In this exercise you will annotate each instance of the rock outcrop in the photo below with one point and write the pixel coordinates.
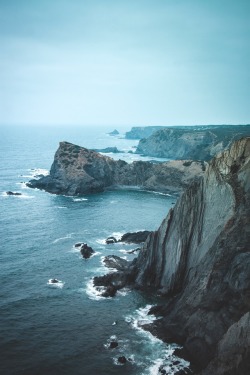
(195, 143)
(139, 132)
(199, 259)
(77, 170)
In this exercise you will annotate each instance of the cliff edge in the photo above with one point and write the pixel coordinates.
(200, 261)
(196, 143)
(77, 170)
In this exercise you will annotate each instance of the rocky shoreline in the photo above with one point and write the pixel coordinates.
(190, 142)
(199, 260)
(77, 170)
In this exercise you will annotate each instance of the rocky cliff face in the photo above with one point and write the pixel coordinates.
(196, 143)
(200, 260)
(77, 170)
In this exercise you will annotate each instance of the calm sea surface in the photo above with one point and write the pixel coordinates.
(66, 328)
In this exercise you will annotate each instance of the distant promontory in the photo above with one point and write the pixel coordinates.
(77, 170)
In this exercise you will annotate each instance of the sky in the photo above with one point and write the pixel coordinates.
(124, 62)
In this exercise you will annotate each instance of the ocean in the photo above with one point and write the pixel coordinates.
(66, 328)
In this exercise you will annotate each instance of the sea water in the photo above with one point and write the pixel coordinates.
(66, 328)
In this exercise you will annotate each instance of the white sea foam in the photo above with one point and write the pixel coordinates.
(36, 173)
(93, 292)
(22, 185)
(101, 241)
(59, 284)
(79, 199)
(161, 356)
(63, 238)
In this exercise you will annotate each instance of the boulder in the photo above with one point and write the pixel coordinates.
(122, 360)
(113, 344)
(110, 240)
(86, 251)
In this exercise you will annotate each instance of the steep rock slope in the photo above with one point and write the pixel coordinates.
(200, 260)
(77, 170)
(196, 143)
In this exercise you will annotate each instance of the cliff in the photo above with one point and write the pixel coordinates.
(196, 143)
(199, 259)
(77, 170)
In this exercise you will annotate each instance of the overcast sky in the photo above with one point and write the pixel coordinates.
(124, 62)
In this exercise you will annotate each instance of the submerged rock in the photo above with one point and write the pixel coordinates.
(12, 193)
(54, 281)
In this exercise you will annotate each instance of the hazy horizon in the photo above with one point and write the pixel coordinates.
(124, 64)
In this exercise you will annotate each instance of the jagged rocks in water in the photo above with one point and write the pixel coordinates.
(122, 360)
(86, 251)
(113, 261)
(12, 193)
(110, 240)
(113, 344)
(54, 281)
(110, 291)
(136, 237)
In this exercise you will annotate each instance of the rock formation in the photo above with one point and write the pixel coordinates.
(195, 143)
(77, 170)
(200, 261)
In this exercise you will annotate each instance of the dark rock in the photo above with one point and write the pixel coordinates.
(113, 261)
(113, 344)
(79, 244)
(86, 251)
(111, 240)
(136, 237)
(122, 360)
(12, 193)
(110, 291)
(54, 281)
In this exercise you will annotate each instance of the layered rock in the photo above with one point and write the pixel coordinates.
(196, 143)
(77, 170)
(200, 260)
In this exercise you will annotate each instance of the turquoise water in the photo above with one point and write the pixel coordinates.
(65, 328)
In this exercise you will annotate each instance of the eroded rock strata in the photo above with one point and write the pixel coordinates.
(77, 170)
(196, 142)
(199, 259)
